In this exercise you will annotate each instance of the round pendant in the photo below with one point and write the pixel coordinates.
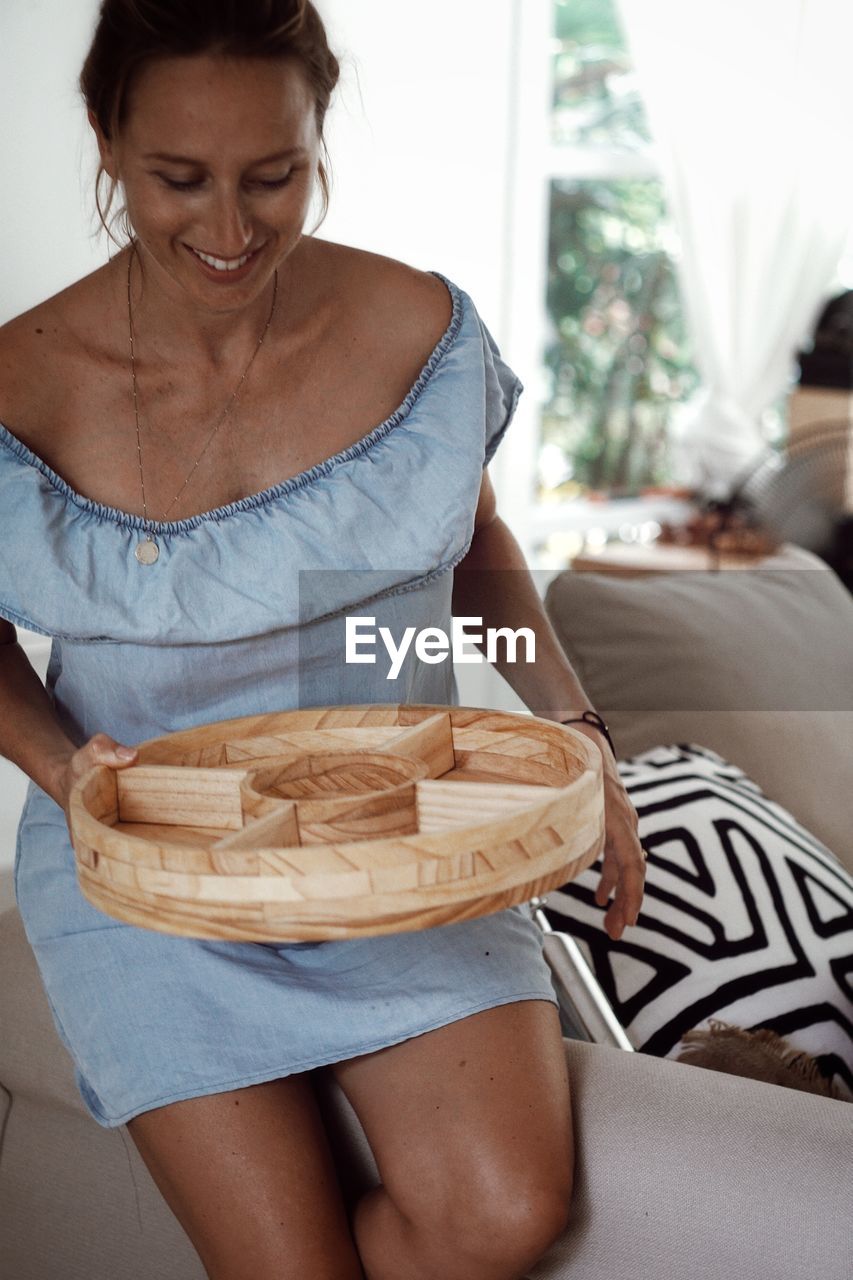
(147, 552)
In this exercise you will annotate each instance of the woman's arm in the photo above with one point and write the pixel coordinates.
(31, 735)
(494, 583)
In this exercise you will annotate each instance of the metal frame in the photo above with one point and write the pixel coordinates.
(585, 1011)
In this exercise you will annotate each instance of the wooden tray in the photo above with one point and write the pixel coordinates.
(338, 822)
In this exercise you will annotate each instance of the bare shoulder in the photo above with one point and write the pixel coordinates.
(408, 308)
(57, 315)
(25, 346)
(35, 349)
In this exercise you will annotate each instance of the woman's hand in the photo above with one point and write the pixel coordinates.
(624, 859)
(100, 749)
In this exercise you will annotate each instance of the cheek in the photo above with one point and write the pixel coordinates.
(289, 205)
(302, 190)
(154, 208)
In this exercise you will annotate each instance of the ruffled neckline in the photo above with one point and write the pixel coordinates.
(284, 488)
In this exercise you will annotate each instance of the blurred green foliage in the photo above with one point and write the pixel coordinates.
(595, 94)
(618, 355)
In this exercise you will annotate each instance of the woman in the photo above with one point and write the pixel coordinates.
(188, 430)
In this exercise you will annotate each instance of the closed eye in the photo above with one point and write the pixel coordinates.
(179, 186)
(269, 184)
(274, 183)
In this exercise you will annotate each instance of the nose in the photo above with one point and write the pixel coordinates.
(228, 226)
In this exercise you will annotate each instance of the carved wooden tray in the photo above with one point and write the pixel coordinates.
(338, 822)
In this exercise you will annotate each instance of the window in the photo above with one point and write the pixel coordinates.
(612, 345)
(617, 354)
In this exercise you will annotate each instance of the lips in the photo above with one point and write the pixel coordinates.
(224, 269)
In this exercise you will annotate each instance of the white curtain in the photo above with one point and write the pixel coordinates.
(749, 104)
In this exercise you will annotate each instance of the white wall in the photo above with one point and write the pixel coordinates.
(418, 136)
(46, 161)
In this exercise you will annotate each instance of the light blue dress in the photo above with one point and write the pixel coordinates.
(242, 614)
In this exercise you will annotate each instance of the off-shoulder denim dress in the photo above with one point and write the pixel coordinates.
(240, 615)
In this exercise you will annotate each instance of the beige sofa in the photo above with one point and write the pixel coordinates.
(680, 1171)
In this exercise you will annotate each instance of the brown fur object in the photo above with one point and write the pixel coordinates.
(759, 1055)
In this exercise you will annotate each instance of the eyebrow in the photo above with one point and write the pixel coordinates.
(173, 159)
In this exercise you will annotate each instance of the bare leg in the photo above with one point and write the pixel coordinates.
(249, 1176)
(471, 1128)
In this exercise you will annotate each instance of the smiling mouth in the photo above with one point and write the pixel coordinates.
(224, 264)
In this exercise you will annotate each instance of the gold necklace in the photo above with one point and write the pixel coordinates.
(147, 551)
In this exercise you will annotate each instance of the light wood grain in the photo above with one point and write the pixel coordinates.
(338, 822)
(342, 918)
(178, 796)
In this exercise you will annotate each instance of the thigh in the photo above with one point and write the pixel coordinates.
(471, 1116)
(249, 1175)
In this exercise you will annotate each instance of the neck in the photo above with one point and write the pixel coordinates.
(177, 330)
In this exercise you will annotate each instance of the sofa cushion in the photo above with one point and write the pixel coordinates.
(756, 664)
(746, 917)
(77, 1202)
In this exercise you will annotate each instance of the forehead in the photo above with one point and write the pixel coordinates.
(211, 104)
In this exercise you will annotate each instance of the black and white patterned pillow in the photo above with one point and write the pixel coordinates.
(746, 916)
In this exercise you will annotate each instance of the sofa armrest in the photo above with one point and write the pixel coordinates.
(682, 1171)
(755, 664)
(679, 1170)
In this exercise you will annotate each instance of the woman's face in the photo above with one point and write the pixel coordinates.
(218, 157)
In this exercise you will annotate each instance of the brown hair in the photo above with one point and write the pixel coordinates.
(131, 33)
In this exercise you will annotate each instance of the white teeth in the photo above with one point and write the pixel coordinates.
(222, 264)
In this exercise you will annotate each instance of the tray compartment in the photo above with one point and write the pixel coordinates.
(338, 822)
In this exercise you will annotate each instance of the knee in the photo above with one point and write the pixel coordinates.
(519, 1228)
(496, 1227)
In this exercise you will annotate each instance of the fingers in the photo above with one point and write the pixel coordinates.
(625, 908)
(106, 750)
(607, 883)
(624, 870)
(623, 875)
(100, 749)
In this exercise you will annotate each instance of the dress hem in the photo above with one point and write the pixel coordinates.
(312, 1064)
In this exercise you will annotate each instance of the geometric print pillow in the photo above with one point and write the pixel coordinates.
(746, 917)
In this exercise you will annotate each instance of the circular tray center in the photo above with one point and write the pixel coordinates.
(340, 773)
